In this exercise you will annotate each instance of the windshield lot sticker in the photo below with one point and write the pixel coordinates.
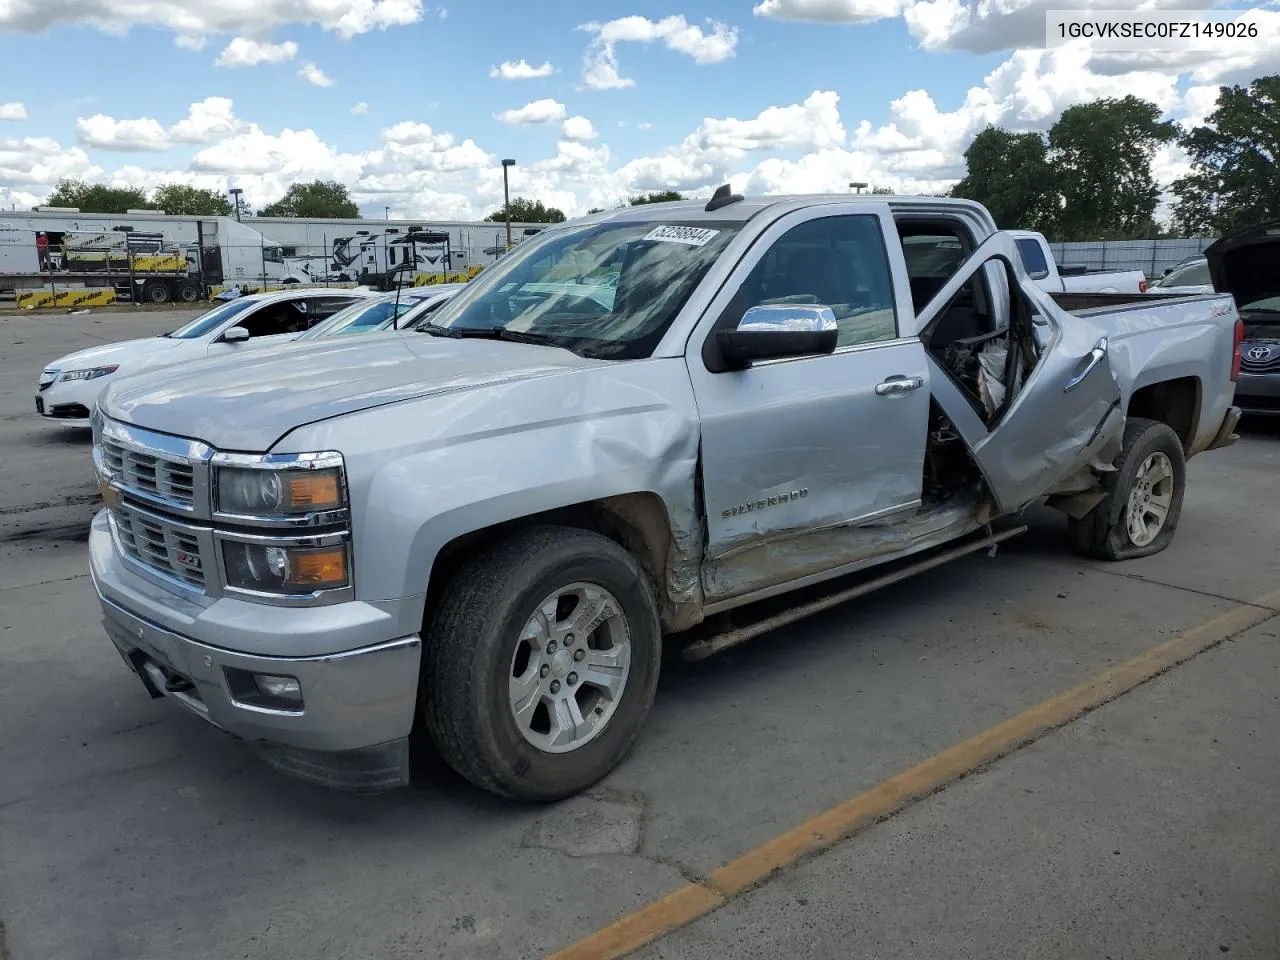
(692, 236)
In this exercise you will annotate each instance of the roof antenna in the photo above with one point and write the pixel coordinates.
(722, 198)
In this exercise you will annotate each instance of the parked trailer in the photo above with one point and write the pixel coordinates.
(137, 258)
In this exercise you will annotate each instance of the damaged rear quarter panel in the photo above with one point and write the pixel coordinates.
(1172, 338)
(448, 465)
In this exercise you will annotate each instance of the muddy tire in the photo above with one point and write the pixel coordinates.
(188, 293)
(154, 291)
(1144, 497)
(540, 663)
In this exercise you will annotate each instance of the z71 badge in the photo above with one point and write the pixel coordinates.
(765, 503)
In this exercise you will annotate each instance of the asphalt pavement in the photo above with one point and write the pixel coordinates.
(1145, 829)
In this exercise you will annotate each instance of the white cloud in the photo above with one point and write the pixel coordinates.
(521, 70)
(829, 11)
(108, 133)
(1211, 60)
(804, 146)
(600, 66)
(812, 124)
(1198, 103)
(534, 113)
(579, 129)
(33, 165)
(242, 52)
(360, 109)
(315, 76)
(14, 110)
(986, 26)
(207, 121)
(191, 21)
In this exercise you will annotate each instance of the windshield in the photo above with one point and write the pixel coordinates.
(361, 317)
(1191, 275)
(210, 320)
(604, 290)
(1267, 305)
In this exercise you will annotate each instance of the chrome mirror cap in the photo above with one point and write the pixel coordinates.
(787, 318)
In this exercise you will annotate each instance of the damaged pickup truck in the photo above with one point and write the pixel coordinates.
(481, 531)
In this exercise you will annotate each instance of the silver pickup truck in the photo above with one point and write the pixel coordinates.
(480, 532)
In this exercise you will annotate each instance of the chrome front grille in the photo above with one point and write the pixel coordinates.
(151, 475)
(163, 545)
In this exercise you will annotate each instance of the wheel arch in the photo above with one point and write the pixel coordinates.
(1174, 401)
(641, 522)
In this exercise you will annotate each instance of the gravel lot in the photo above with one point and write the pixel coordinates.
(1146, 829)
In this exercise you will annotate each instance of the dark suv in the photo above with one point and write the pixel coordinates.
(1246, 264)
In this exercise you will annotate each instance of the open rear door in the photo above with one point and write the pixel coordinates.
(1034, 406)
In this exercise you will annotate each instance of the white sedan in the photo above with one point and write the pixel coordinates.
(1189, 277)
(69, 387)
(401, 310)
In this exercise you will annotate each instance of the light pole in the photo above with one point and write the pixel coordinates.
(235, 198)
(387, 212)
(857, 185)
(506, 199)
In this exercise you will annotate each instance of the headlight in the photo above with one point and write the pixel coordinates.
(285, 570)
(260, 492)
(89, 373)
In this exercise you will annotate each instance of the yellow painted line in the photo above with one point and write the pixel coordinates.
(821, 833)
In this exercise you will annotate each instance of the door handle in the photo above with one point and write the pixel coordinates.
(1094, 358)
(898, 386)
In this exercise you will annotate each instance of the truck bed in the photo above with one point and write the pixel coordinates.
(1086, 303)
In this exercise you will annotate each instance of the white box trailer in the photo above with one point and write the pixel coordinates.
(18, 250)
(142, 257)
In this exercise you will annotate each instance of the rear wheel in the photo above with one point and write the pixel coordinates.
(156, 292)
(1143, 504)
(541, 662)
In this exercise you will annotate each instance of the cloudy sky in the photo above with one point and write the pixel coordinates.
(413, 103)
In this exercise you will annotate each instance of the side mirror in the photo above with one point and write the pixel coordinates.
(779, 330)
(235, 335)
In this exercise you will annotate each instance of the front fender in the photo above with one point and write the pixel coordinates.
(423, 473)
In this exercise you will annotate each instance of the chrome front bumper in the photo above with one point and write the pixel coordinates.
(351, 730)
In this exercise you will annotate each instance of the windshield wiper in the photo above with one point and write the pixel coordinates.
(435, 330)
(491, 333)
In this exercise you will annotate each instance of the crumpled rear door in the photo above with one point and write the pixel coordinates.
(1053, 419)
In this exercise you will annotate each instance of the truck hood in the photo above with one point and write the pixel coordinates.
(124, 351)
(1246, 263)
(247, 403)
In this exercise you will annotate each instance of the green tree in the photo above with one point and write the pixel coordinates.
(528, 211)
(1234, 159)
(882, 191)
(95, 197)
(318, 200)
(178, 199)
(1101, 155)
(1008, 173)
(665, 196)
(595, 210)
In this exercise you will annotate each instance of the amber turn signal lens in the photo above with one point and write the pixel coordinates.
(317, 568)
(316, 490)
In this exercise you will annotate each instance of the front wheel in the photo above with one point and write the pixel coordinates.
(540, 663)
(1143, 500)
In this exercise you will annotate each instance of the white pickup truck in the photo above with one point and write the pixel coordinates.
(1037, 259)
(483, 531)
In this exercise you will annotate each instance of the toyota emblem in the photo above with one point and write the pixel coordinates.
(1258, 354)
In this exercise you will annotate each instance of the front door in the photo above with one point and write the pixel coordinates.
(1060, 399)
(797, 452)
